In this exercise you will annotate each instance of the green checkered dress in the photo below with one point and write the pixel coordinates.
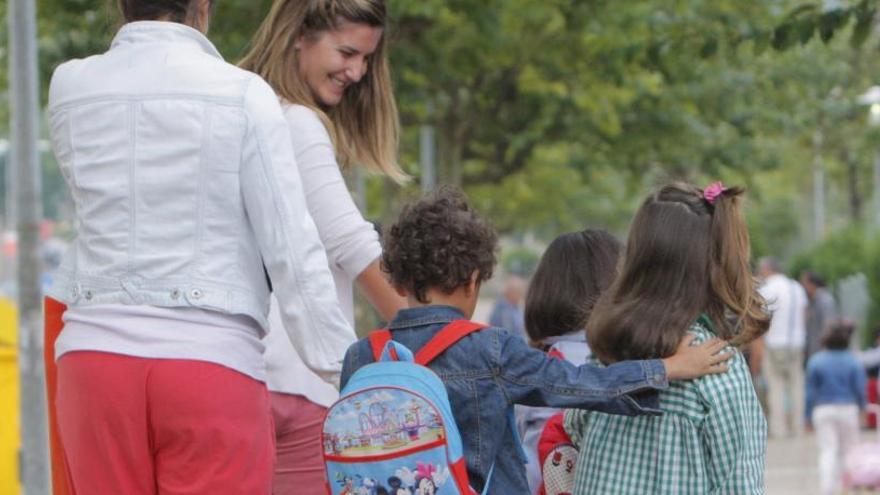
(711, 439)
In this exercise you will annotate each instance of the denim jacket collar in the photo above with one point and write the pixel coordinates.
(425, 315)
(164, 32)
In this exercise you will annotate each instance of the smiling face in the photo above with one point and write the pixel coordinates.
(331, 61)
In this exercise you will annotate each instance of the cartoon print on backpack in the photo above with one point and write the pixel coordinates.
(393, 422)
(558, 470)
(380, 422)
(397, 487)
(426, 479)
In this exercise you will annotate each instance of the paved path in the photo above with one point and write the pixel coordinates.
(792, 467)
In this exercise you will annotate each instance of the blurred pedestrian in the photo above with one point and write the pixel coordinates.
(821, 311)
(508, 312)
(783, 349)
(835, 395)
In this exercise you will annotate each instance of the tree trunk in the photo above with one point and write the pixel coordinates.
(852, 182)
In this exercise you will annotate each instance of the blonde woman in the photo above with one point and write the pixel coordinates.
(326, 60)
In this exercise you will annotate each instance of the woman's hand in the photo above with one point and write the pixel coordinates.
(695, 361)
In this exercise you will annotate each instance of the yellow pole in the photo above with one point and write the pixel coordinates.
(10, 427)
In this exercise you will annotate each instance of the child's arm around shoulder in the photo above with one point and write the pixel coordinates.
(530, 377)
(697, 356)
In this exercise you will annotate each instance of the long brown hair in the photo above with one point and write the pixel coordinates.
(364, 126)
(573, 272)
(684, 256)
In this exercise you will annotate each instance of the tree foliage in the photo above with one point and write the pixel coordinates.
(554, 114)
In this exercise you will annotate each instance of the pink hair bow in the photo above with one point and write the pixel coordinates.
(712, 191)
(425, 470)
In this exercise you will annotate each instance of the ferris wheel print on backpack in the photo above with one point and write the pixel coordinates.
(392, 430)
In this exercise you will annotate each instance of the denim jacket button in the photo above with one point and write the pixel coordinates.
(175, 294)
(89, 294)
(658, 378)
(196, 294)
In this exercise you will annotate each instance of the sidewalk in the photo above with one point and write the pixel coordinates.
(792, 466)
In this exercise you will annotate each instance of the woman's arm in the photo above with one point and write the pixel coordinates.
(378, 291)
(352, 243)
(275, 202)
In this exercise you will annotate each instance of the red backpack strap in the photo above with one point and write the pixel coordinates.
(445, 338)
(378, 340)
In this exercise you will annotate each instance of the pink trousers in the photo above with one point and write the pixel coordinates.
(140, 426)
(299, 469)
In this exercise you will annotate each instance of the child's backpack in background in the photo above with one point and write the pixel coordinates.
(550, 452)
(862, 463)
(392, 430)
(558, 458)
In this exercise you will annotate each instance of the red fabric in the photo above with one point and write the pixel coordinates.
(460, 475)
(556, 354)
(378, 339)
(299, 467)
(552, 436)
(53, 311)
(872, 399)
(163, 426)
(446, 338)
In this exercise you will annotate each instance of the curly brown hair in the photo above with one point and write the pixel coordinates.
(438, 242)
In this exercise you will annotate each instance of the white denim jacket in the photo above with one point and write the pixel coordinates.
(183, 177)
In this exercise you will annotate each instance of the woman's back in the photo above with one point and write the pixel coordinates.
(181, 171)
(710, 439)
(145, 134)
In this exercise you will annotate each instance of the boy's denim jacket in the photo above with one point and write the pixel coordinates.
(488, 371)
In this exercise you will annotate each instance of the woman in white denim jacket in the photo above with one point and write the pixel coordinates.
(187, 196)
(327, 61)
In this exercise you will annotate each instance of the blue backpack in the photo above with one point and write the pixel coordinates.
(392, 430)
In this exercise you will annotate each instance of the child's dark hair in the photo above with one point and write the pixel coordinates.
(813, 277)
(574, 271)
(685, 256)
(836, 338)
(438, 242)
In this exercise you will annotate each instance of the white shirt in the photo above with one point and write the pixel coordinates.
(351, 242)
(154, 332)
(184, 184)
(787, 303)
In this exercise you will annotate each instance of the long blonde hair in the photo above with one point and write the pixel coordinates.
(364, 125)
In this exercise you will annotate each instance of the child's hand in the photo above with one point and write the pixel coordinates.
(695, 361)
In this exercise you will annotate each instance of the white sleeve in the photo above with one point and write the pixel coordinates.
(288, 240)
(770, 294)
(350, 241)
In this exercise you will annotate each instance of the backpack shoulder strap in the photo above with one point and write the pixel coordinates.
(378, 340)
(446, 338)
